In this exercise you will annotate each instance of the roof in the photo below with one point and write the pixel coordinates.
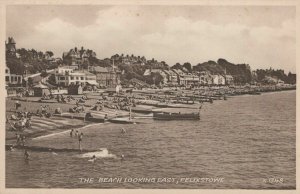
(228, 76)
(170, 72)
(100, 69)
(40, 85)
(147, 72)
(65, 54)
(87, 73)
(92, 82)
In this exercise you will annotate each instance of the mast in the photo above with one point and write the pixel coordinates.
(129, 113)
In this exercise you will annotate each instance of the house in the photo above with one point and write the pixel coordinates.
(180, 74)
(205, 78)
(280, 82)
(160, 71)
(270, 80)
(229, 80)
(191, 79)
(186, 79)
(115, 89)
(40, 90)
(77, 57)
(10, 46)
(12, 79)
(66, 77)
(106, 76)
(218, 80)
(171, 77)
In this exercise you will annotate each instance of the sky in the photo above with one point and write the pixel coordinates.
(261, 36)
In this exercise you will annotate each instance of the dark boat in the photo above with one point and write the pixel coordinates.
(175, 116)
(141, 110)
(254, 93)
(45, 149)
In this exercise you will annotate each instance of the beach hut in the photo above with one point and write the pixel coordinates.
(40, 90)
(75, 89)
(116, 89)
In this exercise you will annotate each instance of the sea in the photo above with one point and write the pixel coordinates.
(244, 142)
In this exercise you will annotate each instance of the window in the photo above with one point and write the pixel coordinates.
(6, 70)
(77, 78)
(82, 78)
(16, 78)
(7, 78)
(72, 78)
(62, 78)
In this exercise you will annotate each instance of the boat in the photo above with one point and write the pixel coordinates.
(254, 93)
(141, 110)
(45, 149)
(122, 120)
(175, 116)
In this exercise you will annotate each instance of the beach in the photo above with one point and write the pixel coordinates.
(232, 140)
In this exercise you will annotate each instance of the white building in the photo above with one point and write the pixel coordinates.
(218, 80)
(12, 78)
(65, 76)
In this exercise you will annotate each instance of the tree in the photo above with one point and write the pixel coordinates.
(52, 80)
(30, 81)
(15, 65)
(44, 74)
(188, 66)
(177, 66)
(50, 53)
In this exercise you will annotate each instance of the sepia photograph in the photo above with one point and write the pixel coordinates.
(150, 96)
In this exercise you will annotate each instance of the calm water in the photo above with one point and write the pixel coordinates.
(244, 140)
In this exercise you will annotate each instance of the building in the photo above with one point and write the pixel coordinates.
(205, 78)
(10, 46)
(12, 79)
(106, 76)
(186, 79)
(67, 76)
(172, 77)
(129, 59)
(40, 90)
(75, 89)
(77, 57)
(218, 80)
(229, 80)
(160, 71)
(189, 79)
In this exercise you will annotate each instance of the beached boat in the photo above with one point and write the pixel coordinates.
(175, 116)
(141, 110)
(122, 120)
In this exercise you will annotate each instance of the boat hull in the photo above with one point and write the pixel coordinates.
(176, 116)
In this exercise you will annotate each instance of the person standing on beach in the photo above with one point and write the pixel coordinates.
(18, 105)
(80, 140)
(26, 155)
(76, 133)
(123, 130)
(23, 140)
(18, 138)
(71, 133)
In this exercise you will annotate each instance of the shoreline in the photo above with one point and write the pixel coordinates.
(66, 131)
(56, 130)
